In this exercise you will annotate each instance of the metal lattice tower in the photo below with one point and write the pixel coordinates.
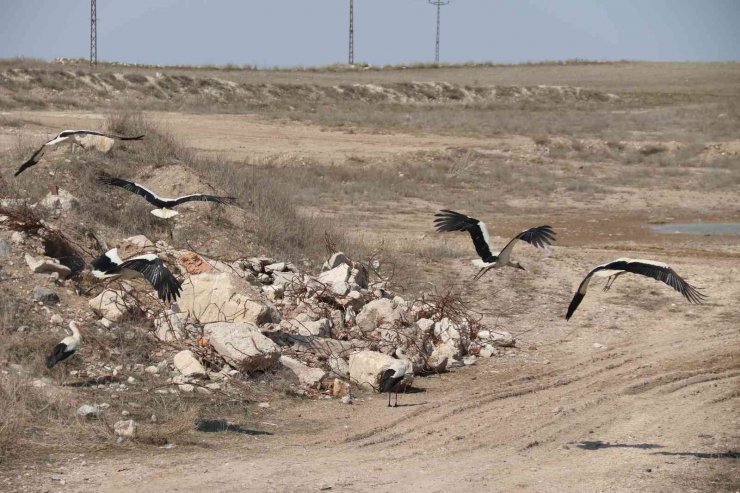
(93, 32)
(439, 4)
(351, 32)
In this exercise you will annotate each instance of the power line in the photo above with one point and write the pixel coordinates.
(439, 4)
(351, 32)
(93, 32)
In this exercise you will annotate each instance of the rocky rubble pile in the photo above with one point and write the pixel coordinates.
(257, 313)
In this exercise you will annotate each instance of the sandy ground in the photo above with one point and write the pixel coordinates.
(638, 392)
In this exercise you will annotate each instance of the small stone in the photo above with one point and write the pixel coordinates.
(131, 380)
(88, 411)
(4, 248)
(186, 387)
(125, 413)
(276, 267)
(152, 369)
(347, 399)
(105, 323)
(599, 346)
(264, 404)
(469, 360)
(213, 386)
(125, 429)
(18, 238)
(45, 296)
(187, 364)
(57, 319)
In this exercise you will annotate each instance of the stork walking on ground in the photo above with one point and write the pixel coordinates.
(68, 137)
(66, 347)
(446, 220)
(111, 266)
(164, 204)
(648, 268)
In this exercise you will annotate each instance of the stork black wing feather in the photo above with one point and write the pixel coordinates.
(159, 276)
(199, 197)
(669, 277)
(447, 220)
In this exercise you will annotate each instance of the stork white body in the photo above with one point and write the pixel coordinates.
(66, 346)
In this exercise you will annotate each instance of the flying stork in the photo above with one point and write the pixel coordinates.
(68, 137)
(391, 380)
(446, 220)
(66, 347)
(648, 268)
(111, 266)
(164, 204)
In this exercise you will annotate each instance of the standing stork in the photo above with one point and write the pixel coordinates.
(648, 268)
(539, 237)
(66, 347)
(164, 204)
(71, 137)
(392, 379)
(149, 266)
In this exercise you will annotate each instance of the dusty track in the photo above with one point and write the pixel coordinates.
(656, 409)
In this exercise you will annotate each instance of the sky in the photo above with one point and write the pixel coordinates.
(272, 33)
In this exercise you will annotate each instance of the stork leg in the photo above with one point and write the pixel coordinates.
(480, 273)
(396, 404)
(389, 399)
(611, 280)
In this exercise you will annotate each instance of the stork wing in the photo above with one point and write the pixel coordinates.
(581, 292)
(663, 273)
(34, 159)
(68, 133)
(199, 197)
(447, 220)
(538, 237)
(159, 276)
(132, 187)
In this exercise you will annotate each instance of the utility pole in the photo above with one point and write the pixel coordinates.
(93, 32)
(351, 32)
(439, 4)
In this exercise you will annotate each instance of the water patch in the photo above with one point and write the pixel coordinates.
(706, 229)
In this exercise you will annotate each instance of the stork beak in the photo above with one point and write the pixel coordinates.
(525, 270)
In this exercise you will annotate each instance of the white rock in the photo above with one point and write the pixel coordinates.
(113, 304)
(367, 367)
(337, 279)
(501, 338)
(139, 241)
(338, 365)
(63, 200)
(170, 325)
(288, 281)
(186, 387)
(347, 399)
(318, 328)
(243, 344)
(188, 365)
(125, 428)
(88, 411)
(311, 377)
(336, 260)
(380, 313)
(221, 297)
(488, 351)
(57, 319)
(213, 386)
(153, 370)
(47, 266)
(131, 380)
(18, 237)
(105, 323)
(276, 267)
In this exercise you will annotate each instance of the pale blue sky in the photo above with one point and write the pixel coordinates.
(301, 32)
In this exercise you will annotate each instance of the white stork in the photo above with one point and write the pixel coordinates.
(446, 220)
(164, 204)
(111, 266)
(648, 268)
(68, 137)
(66, 347)
(391, 380)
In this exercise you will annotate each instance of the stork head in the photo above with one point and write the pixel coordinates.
(75, 327)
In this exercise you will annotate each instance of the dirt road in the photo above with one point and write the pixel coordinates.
(639, 391)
